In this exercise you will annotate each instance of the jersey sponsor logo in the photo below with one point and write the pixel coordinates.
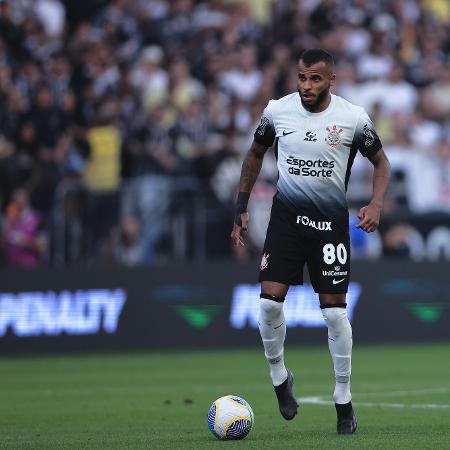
(264, 261)
(317, 225)
(310, 136)
(261, 130)
(285, 133)
(333, 138)
(338, 281)
(310, 168)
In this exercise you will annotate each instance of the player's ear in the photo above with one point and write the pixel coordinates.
(332, 79)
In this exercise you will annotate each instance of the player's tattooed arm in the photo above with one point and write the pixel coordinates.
(370, 215)
(249, 173)
(251, 166)
(381, 175)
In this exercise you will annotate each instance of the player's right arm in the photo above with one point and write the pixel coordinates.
(264, 137)
(249, 173)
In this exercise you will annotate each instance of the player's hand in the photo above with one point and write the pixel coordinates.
(236, 234)
(369, 217)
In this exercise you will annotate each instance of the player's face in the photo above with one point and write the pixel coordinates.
(313, 85)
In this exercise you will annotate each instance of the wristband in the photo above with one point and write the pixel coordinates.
(241, 206)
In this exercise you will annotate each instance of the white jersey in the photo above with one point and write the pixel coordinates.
(315, 152)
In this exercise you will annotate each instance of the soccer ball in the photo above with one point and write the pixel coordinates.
(230, 417)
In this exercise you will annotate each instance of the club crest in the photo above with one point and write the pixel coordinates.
(264, 261)
(333, 138)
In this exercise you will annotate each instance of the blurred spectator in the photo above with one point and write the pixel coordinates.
(10, 32)
(47, 118)
(148, 76)
(150, 160)
(184, 88)
(24, 242)
(127, 246)
(436, 96)
(102, 174)
(195, 143)
(51, 13)
(243, 79)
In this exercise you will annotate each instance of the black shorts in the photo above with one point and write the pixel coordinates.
(293, 240)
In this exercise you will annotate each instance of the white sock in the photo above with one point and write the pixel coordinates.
(340, 345)
(272, 328)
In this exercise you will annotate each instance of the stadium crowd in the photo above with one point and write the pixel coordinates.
(122, 130)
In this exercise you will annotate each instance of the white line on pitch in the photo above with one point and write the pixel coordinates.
(322, 401)
(439, 390)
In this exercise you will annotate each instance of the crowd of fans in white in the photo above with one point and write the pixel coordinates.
(178, 88)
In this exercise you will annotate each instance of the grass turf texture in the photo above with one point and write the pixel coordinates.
(160, 400)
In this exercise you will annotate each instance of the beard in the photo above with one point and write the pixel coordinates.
(319, 99)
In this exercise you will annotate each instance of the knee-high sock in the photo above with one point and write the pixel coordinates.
(272, 328)
(340, 345)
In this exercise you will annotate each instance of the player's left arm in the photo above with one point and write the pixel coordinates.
(369, 215)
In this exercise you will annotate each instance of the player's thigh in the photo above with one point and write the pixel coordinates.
(274, 289)
(284, 252)
(329, 267)
(327, 300)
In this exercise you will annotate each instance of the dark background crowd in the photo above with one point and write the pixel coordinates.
(123, 123)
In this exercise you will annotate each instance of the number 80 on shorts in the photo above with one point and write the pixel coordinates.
(331, 253)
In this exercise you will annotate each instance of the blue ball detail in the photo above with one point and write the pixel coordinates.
(211, 419)
(239, 400)
(239, 429)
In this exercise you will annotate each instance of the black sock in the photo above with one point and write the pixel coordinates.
(344, 410)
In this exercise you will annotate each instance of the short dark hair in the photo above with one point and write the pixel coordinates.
(316, 55)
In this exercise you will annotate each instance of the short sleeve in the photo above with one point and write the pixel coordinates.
(366, 138)
(265, 132)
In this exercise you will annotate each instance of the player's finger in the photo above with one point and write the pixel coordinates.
(370, 227)
(367, 221)
(244, 221)
(363, 226)
(362, 213)
(235, 237)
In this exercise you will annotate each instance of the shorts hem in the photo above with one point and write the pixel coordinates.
(287, 282)
(336, 292)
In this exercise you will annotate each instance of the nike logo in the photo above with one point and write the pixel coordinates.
(274, 360)
(338, 281)
(285, 133)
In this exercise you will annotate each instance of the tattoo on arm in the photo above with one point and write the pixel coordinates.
(251, 166)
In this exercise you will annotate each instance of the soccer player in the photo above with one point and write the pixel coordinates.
(317, 135)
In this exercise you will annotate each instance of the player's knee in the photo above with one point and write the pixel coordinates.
(335, 316)
(269, 310)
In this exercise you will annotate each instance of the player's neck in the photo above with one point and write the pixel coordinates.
(319, 107)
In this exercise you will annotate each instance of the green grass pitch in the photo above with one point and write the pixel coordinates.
(160, 400)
